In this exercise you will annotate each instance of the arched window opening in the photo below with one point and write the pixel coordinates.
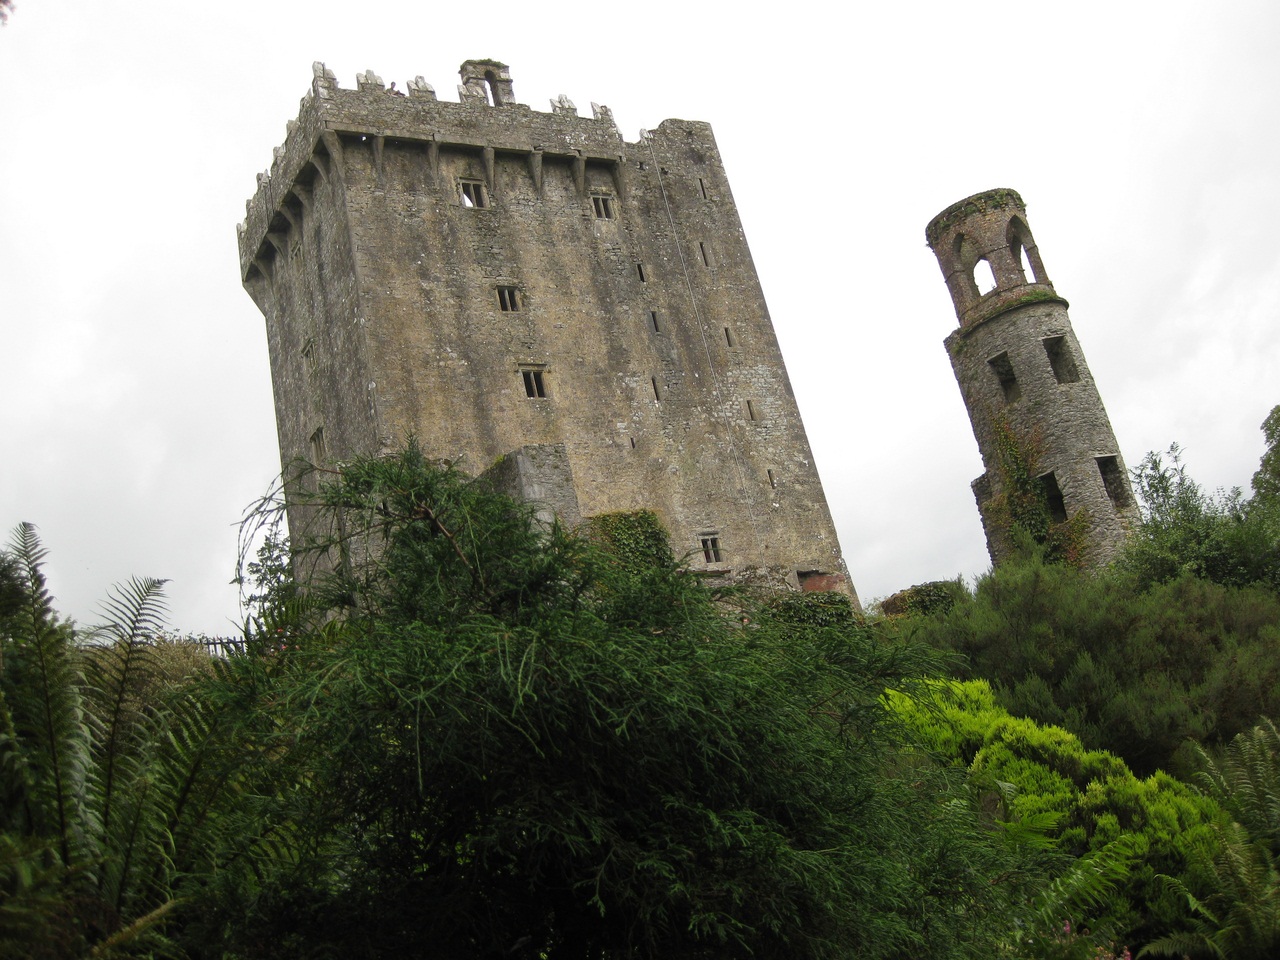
(984, 277)
(1019, 239)
(490, 86)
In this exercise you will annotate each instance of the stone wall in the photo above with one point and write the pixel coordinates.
(1023, 374)
(483, 277)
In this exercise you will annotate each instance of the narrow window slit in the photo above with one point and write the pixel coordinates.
(640, 272)
(657, 394)
(603, 206)
(703, 248)
(533, 384)
(653, 321)
(473, 193)
(728, 336)
(509, 299)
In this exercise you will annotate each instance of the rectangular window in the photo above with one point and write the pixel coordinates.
(710, 547)
(473, 193)
(603, 206)
(1003, 370)
(1054, 499)
(1060, 359)
(1113, 480)
(533, 384)
(317, 446)
(653, 321)
(509, 299)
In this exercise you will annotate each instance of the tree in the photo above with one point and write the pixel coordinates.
(499, 739)
(1220, 536)
(1266, 482)
(1186, 530)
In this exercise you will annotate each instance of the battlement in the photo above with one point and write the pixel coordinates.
(485, 118)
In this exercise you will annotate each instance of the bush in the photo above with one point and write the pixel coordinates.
(1136, 673)
(1089, 799)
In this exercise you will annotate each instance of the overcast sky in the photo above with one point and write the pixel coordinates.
(136, 417)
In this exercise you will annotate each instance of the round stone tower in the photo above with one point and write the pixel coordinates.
(1045, 439)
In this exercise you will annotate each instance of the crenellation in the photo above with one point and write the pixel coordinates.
(420, 88)
(323, 80)
(369, 81)
(563, 106)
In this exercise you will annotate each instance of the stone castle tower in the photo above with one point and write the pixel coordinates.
(1028, 391)
(528, 289)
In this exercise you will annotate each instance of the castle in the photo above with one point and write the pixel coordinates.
(1034, 406)
(527, 294)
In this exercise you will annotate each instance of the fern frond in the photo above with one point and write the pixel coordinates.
(1182, 945)
(1246, 782)
(1088, 882)
(41, 684)
(135, 614)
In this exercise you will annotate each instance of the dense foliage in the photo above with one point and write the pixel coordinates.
(1219, 536)
(1235, 899)
(1087, 800)
(1134, 672)
(492, 739)
(111, 795)
(481, 738)
(475, 736)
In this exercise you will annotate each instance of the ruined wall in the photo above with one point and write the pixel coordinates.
(485, 277)
(1024, 378)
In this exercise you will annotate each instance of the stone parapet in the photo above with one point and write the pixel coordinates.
(329, 113)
